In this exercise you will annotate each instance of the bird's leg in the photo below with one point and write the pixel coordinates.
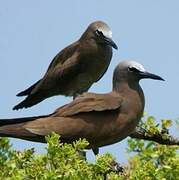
(82, 154)
(95, 151)
(75, 95)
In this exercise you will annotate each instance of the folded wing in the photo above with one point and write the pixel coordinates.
(90, 102)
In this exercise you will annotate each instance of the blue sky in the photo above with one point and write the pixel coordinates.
(33, 32)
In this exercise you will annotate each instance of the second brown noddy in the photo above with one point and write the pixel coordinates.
(102, 119)
(75, 68)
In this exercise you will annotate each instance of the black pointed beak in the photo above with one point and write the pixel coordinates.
(110, 42)
(150, 76)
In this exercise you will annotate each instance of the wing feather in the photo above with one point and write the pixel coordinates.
(90, 102)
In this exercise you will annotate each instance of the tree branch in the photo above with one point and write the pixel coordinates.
(159, 138)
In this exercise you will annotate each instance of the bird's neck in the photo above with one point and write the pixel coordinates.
(120, 86)
(129, 89)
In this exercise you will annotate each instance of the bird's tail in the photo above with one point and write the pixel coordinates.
(15, 128)
(28, 91)
(29, 101)
(19, 120)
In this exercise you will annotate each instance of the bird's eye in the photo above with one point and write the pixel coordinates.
(99, 33)
(133, 69)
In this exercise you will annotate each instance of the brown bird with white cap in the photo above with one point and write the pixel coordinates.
(102, 119)
(75, 68)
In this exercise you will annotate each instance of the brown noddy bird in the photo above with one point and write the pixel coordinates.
(102, 119)
(75, 68)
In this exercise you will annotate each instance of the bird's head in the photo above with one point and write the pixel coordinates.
(132, 71)
(101, 33)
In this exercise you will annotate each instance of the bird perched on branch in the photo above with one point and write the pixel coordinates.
(75, 68)
(102, 119)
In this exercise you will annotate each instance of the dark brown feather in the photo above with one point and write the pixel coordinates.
(102, 119)
(73, 70)
(90, 102)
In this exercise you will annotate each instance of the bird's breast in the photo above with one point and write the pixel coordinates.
(97, 63)
(93, 65)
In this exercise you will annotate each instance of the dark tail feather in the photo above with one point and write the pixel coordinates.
(15, 128)
(19, 120)
(29, 101)
(28, 90)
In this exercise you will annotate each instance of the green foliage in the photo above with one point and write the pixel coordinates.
(152, 161)
(62, 161)
(152, 128)
(148, 160)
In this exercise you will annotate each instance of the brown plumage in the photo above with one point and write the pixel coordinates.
(75, 68)
(102, 119)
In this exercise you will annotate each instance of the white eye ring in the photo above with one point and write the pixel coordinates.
(99, 33)
(132, 69)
